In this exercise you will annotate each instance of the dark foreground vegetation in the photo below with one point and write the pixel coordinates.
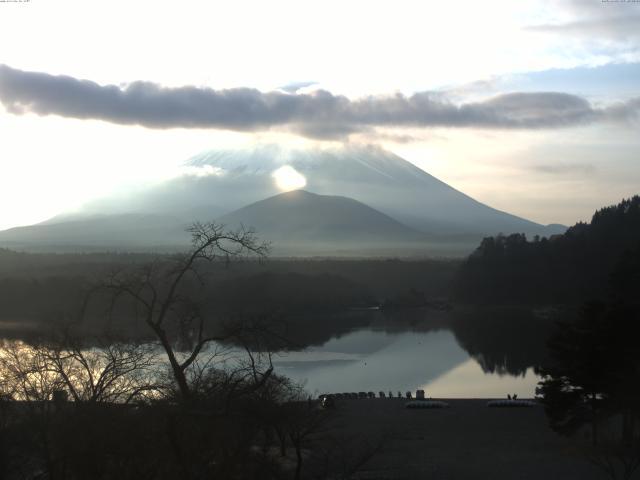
(591, 384)
(160, 367)
(114, 413)
(184, 406)
(591, 376)
(120, 424)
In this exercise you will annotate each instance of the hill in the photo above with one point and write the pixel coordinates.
(305, 221)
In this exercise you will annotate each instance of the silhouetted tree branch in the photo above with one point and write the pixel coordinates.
(162, 299)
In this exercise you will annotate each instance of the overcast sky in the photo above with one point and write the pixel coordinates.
(532, 107)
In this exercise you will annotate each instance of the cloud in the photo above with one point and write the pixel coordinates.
(293, 87)
(621, 28)
(319, 114)
(377, 135)
(599, 21)
(564, 169)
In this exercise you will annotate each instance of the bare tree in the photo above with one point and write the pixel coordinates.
(26, 373)
(162, 294)
(44, 432)
(114, 372)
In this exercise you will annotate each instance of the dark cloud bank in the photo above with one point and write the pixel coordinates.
(319, 114)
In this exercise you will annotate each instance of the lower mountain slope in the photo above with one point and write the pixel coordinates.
(127, 232)
(303, 216)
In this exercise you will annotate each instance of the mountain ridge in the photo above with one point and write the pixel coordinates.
(380, 179)
(217, 184)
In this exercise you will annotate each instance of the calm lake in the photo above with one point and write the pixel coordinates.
(465, 353)
(483, 354)
(370, 360)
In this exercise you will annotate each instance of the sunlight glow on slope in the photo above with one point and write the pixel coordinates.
(288, 178)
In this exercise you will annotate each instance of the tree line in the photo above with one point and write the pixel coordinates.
(568, 268)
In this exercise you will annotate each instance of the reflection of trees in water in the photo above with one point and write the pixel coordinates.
(412, 319)
(503, 340)
(312, 330)
(316, 329)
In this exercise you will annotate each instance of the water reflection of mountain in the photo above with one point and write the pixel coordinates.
(503, 340)
(376, 360)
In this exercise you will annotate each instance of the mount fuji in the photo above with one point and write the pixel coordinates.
(230, 179)
(402, 204)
